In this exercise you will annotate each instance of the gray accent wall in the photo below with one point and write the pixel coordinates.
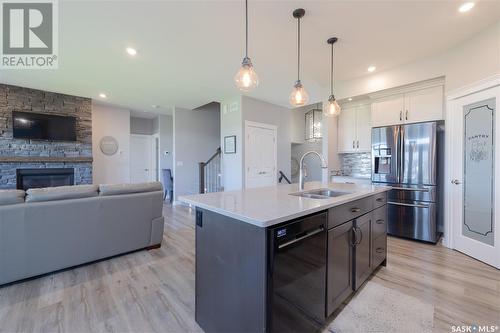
(196, 139)
(13, 98)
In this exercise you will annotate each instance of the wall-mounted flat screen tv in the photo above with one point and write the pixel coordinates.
(37, 126)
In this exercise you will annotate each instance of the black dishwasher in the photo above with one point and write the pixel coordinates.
(297, 275)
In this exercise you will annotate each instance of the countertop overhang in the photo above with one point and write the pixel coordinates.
(267, 206)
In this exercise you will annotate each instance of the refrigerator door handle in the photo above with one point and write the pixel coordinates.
(406, 204)
(410, 189)
(401, 154)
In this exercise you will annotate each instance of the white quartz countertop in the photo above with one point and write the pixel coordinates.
(266, 206)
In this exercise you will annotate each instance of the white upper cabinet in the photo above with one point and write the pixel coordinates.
(354, 129)
(411, 107)
(364, 129)
(388, 111)
(347, 130)
(424, 105)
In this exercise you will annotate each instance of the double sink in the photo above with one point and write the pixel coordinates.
(322, 193)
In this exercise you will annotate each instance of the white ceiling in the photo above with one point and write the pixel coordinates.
(189, 51)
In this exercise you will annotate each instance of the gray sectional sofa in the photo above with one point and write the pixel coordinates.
(45, 230)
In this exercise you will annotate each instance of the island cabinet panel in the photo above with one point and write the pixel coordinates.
(348, 211)
(339, 276)
(362, 250)
(230, 274)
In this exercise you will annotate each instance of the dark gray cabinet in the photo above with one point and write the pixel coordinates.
(355, 247)
(339, 276)
(362, 249)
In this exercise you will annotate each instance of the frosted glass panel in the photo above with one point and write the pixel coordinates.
(479, 165)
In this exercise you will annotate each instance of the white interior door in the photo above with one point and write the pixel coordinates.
(260, 155)
(141, 159)
(475, 177)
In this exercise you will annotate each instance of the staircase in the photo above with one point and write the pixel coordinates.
(210, 173)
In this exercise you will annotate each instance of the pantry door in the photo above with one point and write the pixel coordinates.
(260, 155)
(475, 177)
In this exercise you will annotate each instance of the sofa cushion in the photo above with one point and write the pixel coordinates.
(61, 193)
(116, 189)
(10, 197)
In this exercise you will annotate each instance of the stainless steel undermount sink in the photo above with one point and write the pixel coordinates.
(322, 193)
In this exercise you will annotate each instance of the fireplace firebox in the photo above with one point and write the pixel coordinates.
(49, 177)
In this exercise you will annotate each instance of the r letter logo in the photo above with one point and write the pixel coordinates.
(29, 34)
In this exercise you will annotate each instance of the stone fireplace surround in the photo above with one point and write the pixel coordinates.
(30, 154)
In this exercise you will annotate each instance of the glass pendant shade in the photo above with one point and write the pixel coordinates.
(299, 96)
(332, 108)
(246, 79)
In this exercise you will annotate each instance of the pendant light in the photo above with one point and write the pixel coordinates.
(299, 96)
(332, 108)
(246, 79)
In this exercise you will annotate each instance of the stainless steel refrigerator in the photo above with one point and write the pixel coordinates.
(408, 158)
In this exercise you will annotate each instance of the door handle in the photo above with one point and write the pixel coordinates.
(407, 205)
(410, 189)
(354, 236)
(355, 210)
(379, 221)
(298, 239)
(379, 250)
(456, 182)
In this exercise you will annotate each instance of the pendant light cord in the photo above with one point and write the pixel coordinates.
(331, 74)
(246, 28)
(298, 49)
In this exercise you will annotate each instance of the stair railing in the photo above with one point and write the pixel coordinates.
(210, 173)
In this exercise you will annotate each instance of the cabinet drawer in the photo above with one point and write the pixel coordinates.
(379, 250)
(351, 210)
(379, 199)
(379, 226)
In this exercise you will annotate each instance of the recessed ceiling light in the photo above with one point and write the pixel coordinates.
(131, 51)
(466, 7)
(371, 69)
(103, 95)
(349, 99)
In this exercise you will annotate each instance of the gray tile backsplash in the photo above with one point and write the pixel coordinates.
(357, 164)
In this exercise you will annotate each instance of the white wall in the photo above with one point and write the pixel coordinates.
(231, 123)
(196, 139)
(466, 63)
(115, 122)
(166, 131)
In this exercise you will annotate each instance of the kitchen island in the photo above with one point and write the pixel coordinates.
(276, 259)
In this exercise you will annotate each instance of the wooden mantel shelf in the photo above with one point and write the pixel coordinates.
(45, 159)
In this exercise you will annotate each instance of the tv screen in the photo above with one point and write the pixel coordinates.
(36, 126)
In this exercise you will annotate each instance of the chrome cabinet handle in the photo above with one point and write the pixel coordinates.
(406, 115)
(401, 115)
(353, 144)
(379, 221)
(407, 205)
(379, 249)
(298, 239)
(379, 200)
(360, 238)
(357, 143)
(456, 182)
(355, 210)
(354, 236)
